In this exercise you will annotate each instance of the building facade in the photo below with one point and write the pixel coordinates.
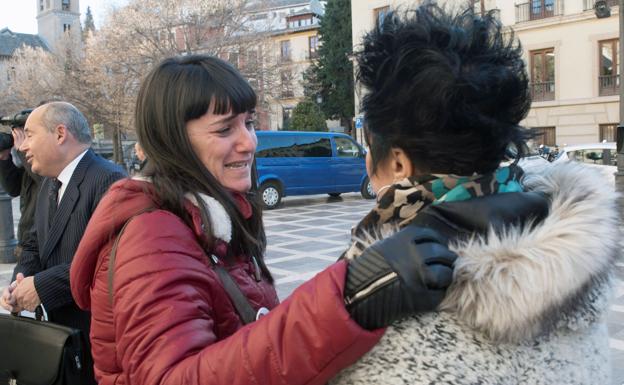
(58, 23)
(295, 48)
(572, 58)
(9, 43)
(57, 20)
(292, 26)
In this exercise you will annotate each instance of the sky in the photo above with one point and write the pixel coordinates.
(21, 15)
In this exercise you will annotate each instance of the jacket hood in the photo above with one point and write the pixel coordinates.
(123, 200)
(516, 281)
(523, 281)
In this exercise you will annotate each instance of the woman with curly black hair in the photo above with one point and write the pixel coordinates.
(446, 94)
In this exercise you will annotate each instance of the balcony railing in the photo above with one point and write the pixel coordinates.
(589, 4)
(535, 10)
(543, 91)
(608, 85)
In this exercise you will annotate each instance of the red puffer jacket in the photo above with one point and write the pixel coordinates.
(171, 322)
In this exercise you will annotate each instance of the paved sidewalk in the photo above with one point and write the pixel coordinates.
(307, 234)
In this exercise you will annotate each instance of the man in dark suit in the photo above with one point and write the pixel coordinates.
(57, 146)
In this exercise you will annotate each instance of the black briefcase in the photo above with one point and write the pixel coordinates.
(35, 352)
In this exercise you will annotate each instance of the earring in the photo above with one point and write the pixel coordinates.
(381, 190)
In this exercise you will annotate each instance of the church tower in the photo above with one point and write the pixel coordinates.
(58, 20)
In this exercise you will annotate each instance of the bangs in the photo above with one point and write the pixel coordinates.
(216, 86)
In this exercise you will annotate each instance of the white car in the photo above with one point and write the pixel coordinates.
(600, 155)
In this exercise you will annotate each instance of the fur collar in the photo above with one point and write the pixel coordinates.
(220, 221)
(521, 282)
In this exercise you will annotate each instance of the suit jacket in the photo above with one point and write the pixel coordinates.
(49, 251)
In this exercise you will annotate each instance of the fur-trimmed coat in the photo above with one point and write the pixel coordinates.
(527, 305)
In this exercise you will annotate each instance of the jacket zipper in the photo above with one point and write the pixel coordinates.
(378, 284)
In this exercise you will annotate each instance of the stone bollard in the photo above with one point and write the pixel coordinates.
(7, 235)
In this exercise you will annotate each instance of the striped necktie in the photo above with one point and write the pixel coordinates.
(55, 186)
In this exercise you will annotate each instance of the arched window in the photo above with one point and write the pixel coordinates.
(65, 5)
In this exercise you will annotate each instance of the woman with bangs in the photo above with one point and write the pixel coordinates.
(171, 264)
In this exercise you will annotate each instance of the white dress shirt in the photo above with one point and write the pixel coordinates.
(65, 175)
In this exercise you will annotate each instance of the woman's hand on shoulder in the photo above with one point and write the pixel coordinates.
(402, 275)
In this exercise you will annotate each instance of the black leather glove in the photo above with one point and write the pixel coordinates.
(402, 275)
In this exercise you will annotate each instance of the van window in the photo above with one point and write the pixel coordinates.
(289, 146)
(277, 147)
(314, 147)
(345, 148)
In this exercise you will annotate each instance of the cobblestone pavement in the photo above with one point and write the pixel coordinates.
(307, 234)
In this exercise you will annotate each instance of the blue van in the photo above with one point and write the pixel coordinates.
(302, 163)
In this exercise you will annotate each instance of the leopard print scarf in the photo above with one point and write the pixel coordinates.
(400, 204)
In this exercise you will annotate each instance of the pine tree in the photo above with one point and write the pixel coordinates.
(332, 75)
(307, 116)
(89, 24)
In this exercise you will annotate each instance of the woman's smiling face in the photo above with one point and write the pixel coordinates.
(226, 145)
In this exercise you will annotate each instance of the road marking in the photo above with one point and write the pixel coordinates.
(297, 277)
(298, 256)
(307, 254)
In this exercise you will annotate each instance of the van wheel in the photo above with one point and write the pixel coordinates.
(367, 190)
(334, 195)
(271, 195)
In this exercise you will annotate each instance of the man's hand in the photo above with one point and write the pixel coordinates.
(25, 293)
(8, 301)
(18, 137)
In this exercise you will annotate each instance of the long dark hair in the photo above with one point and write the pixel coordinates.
(176, 91)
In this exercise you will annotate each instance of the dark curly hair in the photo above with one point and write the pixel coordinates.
(448, 89)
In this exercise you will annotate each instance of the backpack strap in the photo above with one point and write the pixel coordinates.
(113, 253)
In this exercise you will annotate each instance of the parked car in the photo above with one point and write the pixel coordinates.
(302, 163)
(600, 155)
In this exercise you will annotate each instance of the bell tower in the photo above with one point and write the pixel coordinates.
(58, 22)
